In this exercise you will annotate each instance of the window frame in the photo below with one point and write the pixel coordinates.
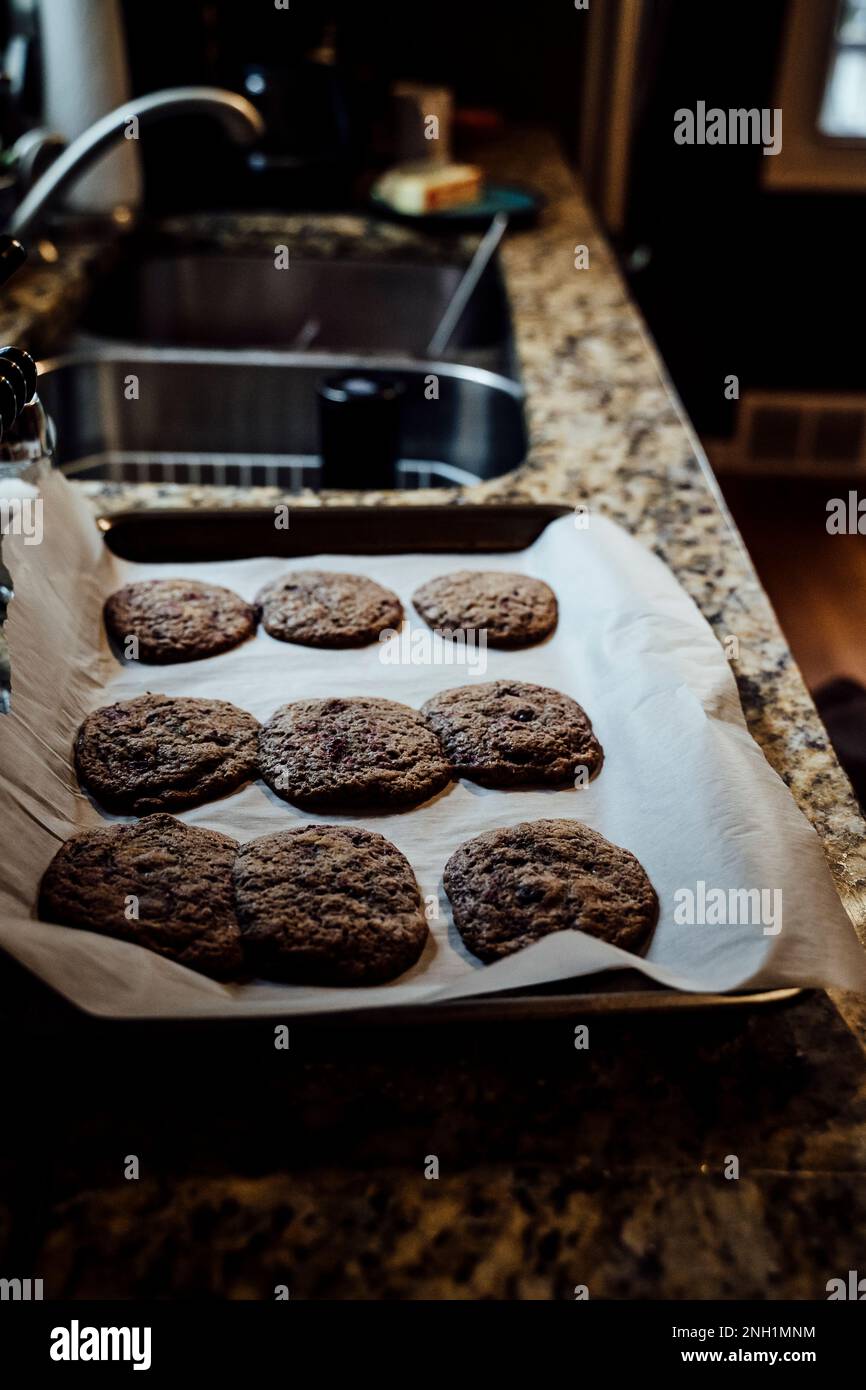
(810, 159)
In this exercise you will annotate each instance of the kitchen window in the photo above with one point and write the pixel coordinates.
(821, 88)
(843, 110)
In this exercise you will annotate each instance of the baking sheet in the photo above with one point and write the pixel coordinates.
(684, 786)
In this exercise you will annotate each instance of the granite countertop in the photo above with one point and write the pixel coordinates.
(557, 1167)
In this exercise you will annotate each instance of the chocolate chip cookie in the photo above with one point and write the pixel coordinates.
(317, 608)
(157, 753)
(510, 887)
(514, 610)
(328, 905)
(177, 620)
(338, 754)
(157, 883)
(512, 734)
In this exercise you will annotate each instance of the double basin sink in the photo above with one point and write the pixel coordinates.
(203, 368)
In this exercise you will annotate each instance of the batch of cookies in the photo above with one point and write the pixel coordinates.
(333, 904)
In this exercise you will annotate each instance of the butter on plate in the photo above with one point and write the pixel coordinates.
(414, 189)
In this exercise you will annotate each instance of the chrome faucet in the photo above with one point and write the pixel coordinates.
(240, 118)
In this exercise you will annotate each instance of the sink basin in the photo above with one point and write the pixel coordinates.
(353, 306)
(250, 418)
(227, 351)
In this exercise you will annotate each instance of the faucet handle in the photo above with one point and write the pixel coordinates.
(26, 368)
(17, 385)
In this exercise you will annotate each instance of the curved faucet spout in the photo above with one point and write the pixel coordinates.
(240, 118)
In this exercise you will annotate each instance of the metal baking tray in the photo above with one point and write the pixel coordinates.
(189, 535)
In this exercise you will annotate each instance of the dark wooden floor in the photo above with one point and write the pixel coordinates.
(816, 581)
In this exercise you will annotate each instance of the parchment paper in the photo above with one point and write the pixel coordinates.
(683, 786)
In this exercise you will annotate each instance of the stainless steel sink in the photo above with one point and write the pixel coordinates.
(202, 366)
(354, 306)
(250, 418)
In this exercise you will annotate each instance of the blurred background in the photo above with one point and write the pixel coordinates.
(744, 265)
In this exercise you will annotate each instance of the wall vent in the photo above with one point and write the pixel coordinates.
(792, 432)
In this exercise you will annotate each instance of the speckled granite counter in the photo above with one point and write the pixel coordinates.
(557, 1167)
(604, 431)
